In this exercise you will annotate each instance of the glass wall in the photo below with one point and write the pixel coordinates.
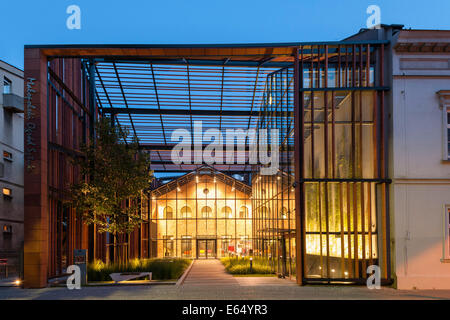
(274, 195)
(202, 215)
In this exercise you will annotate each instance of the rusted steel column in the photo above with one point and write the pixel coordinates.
(299, 172)
(35, 171)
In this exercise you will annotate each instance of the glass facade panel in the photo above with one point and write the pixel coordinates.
(342, 186)
(195, 217)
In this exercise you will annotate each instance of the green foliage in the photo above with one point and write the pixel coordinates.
(238, 265)
(162, 269)
(115, 175)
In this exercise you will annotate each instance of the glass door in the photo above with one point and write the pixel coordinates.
(210, 248)
(201, 249)
(206, 248)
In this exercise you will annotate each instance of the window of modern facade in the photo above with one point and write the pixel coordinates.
(210, 216)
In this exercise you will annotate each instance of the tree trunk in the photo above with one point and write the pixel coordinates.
(115, 247)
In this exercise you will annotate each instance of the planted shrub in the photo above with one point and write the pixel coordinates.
(162, 269)
(242, 265)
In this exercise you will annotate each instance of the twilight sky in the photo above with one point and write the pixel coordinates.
(199, 21)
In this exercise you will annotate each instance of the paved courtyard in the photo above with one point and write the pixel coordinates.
(207, 280)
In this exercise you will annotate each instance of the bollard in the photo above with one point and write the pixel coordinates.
(251, 265)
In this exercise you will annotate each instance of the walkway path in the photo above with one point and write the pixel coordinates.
(209, 272)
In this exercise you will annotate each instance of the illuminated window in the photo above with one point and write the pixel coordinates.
(186, 212)
(186, 246)
(227, 212)
(168, 213)
(284, 213)
(265, 212)
(7, 236)
(243, 212)
(7, 84)
(7, 155)
(206, 212)
(168, 246)
(7, 192)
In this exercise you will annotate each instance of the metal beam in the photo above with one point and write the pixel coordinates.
(157, 100)
(113, 117)
(67, 89)
(206, 112)
(265, 63)
(165, 147)
(124, 98)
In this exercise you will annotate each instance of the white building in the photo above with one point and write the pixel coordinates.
(11, 162)
(420, 159)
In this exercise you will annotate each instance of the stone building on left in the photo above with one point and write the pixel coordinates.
(11, 166)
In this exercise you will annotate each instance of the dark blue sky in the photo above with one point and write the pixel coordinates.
(198, 21)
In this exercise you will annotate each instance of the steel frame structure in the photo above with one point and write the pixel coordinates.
(150, 90)
(339, 168)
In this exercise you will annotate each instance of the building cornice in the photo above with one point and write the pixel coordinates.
(444, 98)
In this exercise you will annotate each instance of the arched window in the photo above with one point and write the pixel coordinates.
(265, 212)
(284, 213)
(206, 212)
(168, 213)
(243, 212)
(227, 212)
(186, 212)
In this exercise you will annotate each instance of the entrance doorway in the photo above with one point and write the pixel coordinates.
(206, 248)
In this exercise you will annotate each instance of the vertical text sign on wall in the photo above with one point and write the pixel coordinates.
(30, 127)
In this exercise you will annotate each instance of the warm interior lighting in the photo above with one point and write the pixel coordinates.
(178, 189)
(7, 192)
(7, 155)
(17, 282)
(313, 242)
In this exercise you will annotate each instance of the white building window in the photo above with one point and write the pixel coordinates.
(7, 193)
(7, 155)
(7, 84)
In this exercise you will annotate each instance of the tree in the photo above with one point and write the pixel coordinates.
(115, 174)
